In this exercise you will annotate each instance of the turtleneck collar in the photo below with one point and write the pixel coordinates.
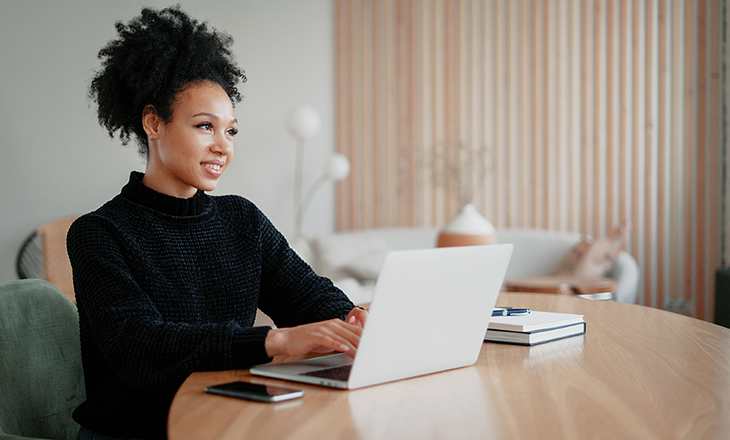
(137, 192)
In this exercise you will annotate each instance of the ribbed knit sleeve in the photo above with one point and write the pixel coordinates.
(291, 292)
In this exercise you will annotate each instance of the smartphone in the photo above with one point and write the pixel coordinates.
(254, 391)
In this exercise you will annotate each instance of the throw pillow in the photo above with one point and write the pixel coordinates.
(594, 257)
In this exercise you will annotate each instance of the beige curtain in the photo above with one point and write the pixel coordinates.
(558, 114)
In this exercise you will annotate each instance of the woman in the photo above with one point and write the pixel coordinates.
(168, 278)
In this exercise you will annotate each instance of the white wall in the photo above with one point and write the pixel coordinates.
(56, 160)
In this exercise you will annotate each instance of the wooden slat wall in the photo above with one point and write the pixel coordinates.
(592, 113)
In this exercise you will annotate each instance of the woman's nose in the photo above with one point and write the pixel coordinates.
(222, 145)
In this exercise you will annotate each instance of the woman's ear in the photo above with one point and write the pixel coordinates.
(151, 122)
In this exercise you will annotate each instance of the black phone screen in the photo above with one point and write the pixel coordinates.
(253, 391)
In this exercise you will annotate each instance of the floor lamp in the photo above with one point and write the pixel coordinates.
(305, 123)
(338, 169)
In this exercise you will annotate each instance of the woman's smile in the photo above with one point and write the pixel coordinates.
(215, 169)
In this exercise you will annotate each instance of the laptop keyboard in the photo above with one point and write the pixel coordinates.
(334, 373)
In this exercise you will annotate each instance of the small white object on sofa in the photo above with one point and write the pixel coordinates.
(352, 259)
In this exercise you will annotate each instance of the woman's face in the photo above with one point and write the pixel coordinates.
(192, 150)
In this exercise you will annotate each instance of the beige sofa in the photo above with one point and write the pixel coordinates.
(353, 259)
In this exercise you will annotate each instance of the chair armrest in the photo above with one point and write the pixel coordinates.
(627, 277)
(15, 437)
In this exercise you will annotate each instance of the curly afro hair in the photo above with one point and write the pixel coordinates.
(155, 57)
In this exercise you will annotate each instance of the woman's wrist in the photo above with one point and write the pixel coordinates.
(272, 342)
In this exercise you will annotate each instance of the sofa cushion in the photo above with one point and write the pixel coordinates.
(360, 253)
(536, 252)
(594, 257)
(367, 265)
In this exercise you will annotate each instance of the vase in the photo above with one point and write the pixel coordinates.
(467, 228)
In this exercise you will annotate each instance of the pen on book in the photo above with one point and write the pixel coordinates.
(509, 311)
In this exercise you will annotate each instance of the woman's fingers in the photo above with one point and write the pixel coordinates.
(338, 336)
(359, 315)
(332, 335)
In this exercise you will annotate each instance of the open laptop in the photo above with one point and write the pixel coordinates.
(429, 313)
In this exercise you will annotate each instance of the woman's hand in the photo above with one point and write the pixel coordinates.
(317, 337)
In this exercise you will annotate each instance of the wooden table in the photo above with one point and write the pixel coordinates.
(638, 373)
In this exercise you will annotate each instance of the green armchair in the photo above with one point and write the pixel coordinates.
(41, 377)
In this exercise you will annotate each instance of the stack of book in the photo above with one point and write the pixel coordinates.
(534, 328)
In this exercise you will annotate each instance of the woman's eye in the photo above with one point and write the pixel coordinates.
(205, 126)
(232, 132)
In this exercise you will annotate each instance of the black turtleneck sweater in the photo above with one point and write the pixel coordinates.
(168, 286)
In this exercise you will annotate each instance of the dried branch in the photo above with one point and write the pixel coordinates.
(457, 167)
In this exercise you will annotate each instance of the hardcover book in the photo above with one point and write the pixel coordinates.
(534, 328)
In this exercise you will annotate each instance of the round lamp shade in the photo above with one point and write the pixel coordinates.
(338, 167)
(304, 122)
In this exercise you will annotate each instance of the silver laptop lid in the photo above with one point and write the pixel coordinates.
(430, 311)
